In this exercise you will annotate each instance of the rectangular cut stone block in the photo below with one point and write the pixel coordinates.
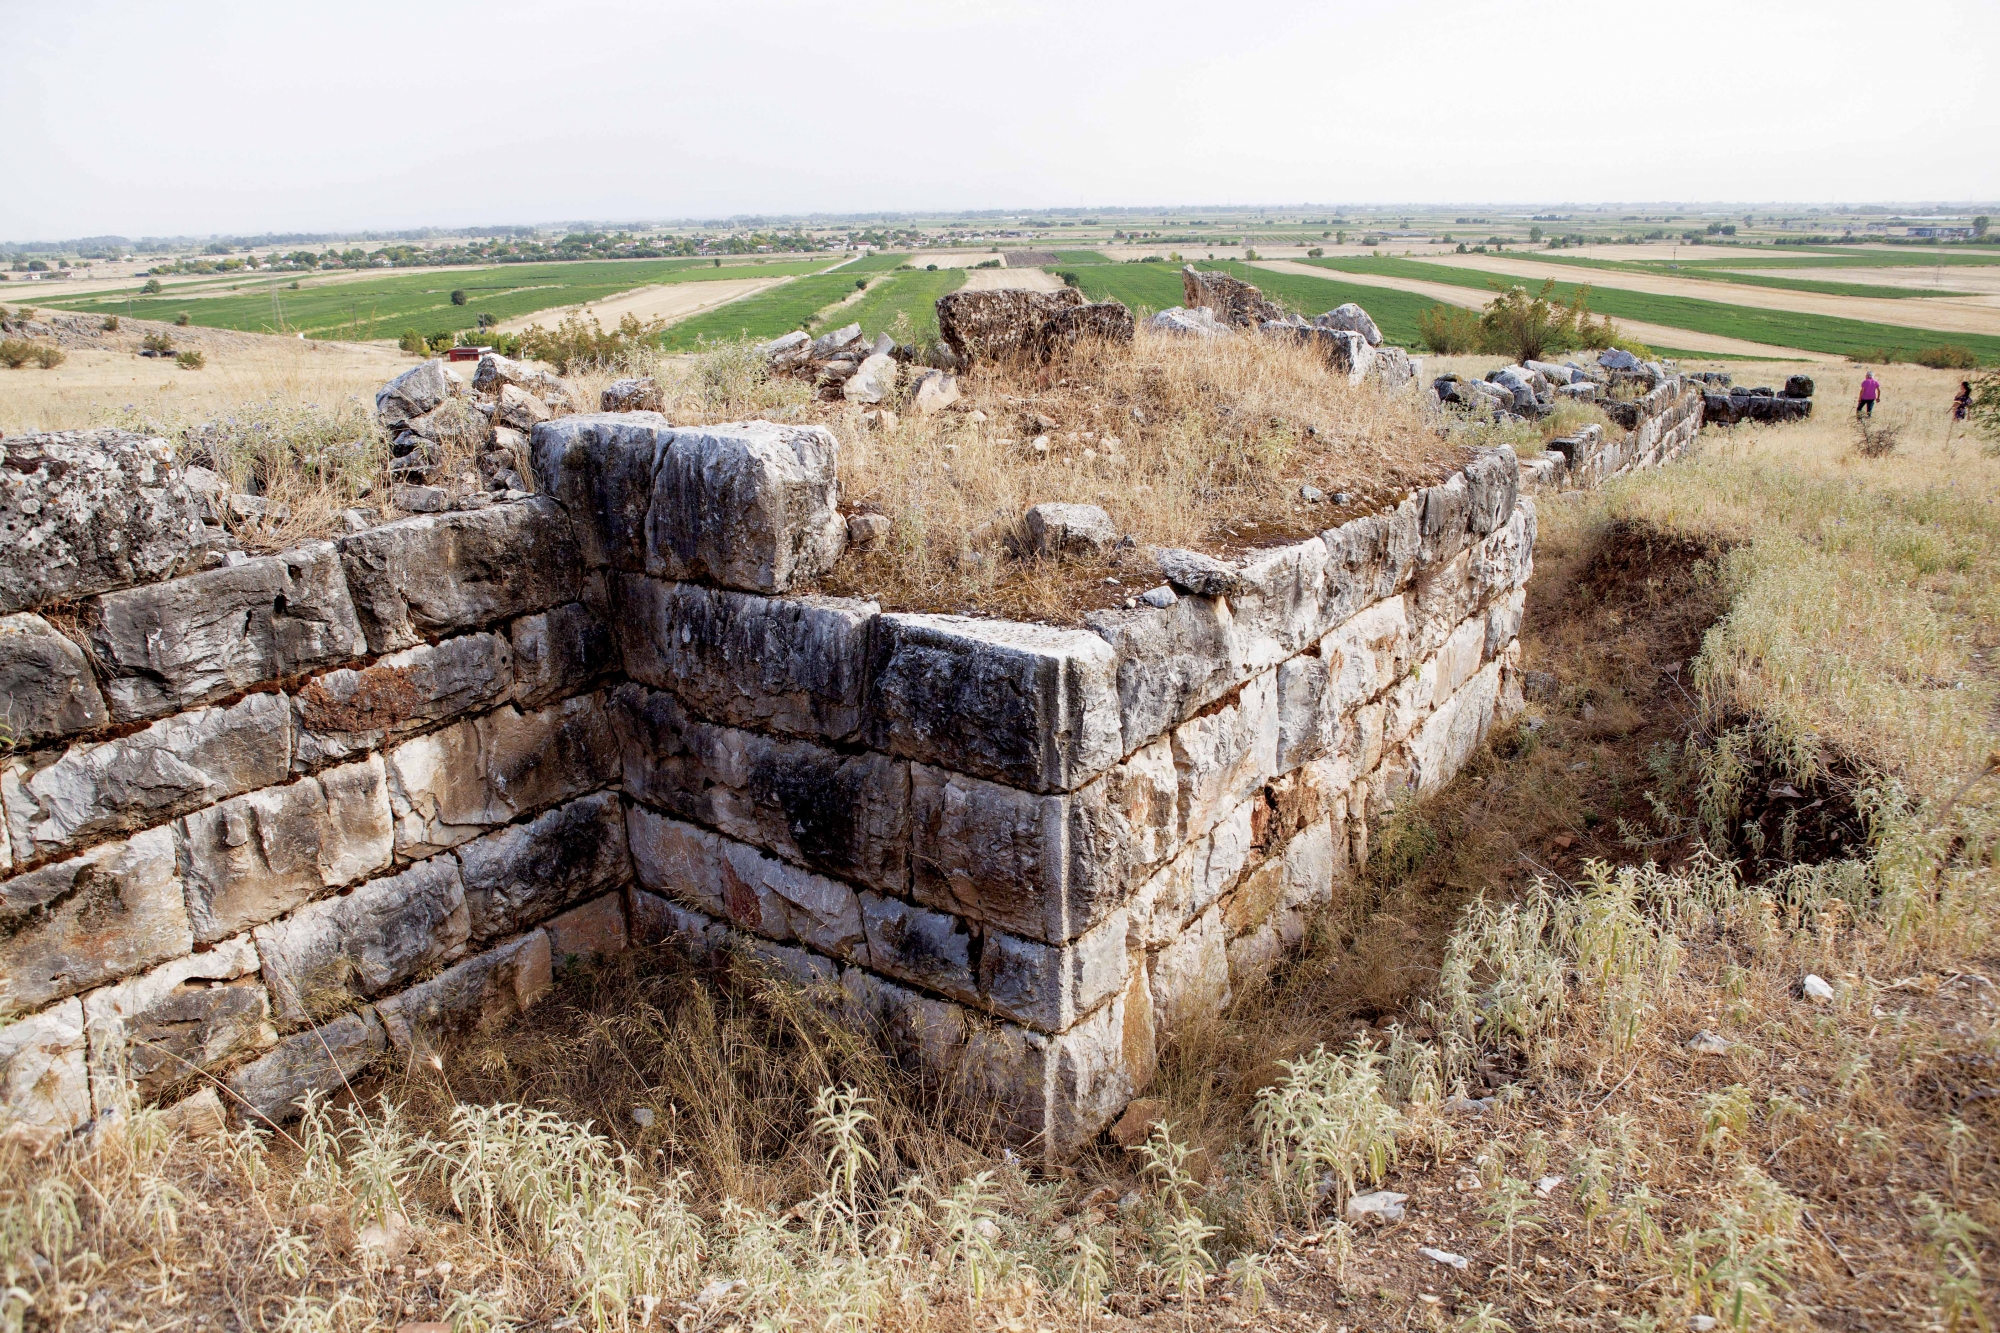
(1285, 605)
(257, 856)
(1372, 557)
(343, 713)
(1308, 723)
(1162, 907)
(44, 1082)
(1226, 753)
(759, 893)
(454, 784)
(1493, 483)
(80, 923)
(1460, 656)
(322, 1059)
(439, 574)
(1171, 662)
(169, 646)
(797, 665)
(1369, 652)
(929, 948)
(1049, 986)
(558, 652)
(1025, 704)
(753, 506)
(600, 467)
(330, 953)
(1446, 507)
(1285, 888)
(1045, 866)
(47, 689)
(171, 767)
(1190, 976)
(1447, 738)
(594, 929)
(477, 995)
(520, 875)
(924, 1034)
(159, 1030)
(841, 814)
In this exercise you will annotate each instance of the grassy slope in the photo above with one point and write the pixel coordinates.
(1781, 328)
(875, 263)
(1082, 257)
(914, 294)
(1144, 287)
(384, 307)
(1743, 279)
(765, 315)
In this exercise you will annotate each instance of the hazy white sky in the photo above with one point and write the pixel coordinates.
(195, 117)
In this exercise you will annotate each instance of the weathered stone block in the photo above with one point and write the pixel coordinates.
(1447, 738)
(158, 1031)
(46, 686)
(591, 930)
(1369, 652)
(1031, 706)
(1493, 481)
(1171, 662)
(1190, 977)
(173, 766)
(255, 857)
(169, 646)
(345, 712)
(44, 1083)
(1307, 720)
(600, 467)
(1226, 753)
(728, 879)
(929, 948)
(797, 665)
(754, 506)
(523, 873)
(1372, 557)
(454, 784)
(89, 510)
(657, 921)
(1282, 606)
(331, 953)
(1000, 325)
(412, 394)
(438, 574)
(320, 1060)
(559, 652)
(926, 1035)
(1446, 508)
(477, 995)
(83, 922)
(1049, 986)
(1455, 662)
(842, 814)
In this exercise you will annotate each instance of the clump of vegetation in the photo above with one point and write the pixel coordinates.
(16, 352)
(190, 360)
(183, 319)
(1531, 328)
(1946, 356)
(1876, 439)
(151, 287)
(159, 342)
(581, 341)
(111, 323)
(48, 356)
(1450, 330)
(458, 296)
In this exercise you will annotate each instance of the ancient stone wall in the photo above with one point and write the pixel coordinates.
(293, 815)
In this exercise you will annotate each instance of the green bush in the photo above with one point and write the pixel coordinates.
(1529, 328)
(458, 296)
(1315, 252)
(1947, 356)
(111, 323)
(860, 283)
(1070, 279)
(183, 319)
(576, 343)
(159, 344)
(48, 358)
(1449, 330)
(930, 268)
(16, 352)
(152, 287)
(413, 342)
(190, 360)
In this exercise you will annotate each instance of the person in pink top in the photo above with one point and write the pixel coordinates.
(1870, 391)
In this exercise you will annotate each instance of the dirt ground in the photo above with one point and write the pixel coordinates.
(669, 301)
(997, 279)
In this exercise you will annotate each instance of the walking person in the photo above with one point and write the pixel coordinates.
(1870, 391)
(1961, 405)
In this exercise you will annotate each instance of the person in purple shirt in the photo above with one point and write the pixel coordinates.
(1870, 391)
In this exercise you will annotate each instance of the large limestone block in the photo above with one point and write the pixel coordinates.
(412, 394)
(1084, 1077)
(600, 467)
(1372, 557)
(846, 815)
(1048, 987)
(1455, 662)
(47, 690)
(255, 857)
(321, 1059)
(439, 574)
(1308, 721)
(1277, 897)
(738, 883)
(1048, 866)
(558, 652)
(1282, 606)
(1447, 507)
(526, 872)
(1369, 652)
(1447, 738)
(330, 953)
(351, 710)
(1503, 622)
(1171, 662)
(1000, 325)
(656, 920)
(796, 665)
(158, 1031)
(1162, 908)
(1190, 977)
(595, 929)
(478, 995)
(169, 646)
(1233, 301)
(1493, 480)
(925, 1035)
(753, 506)
(86, 511)
(930, 949)
(1226, 753)
(80, 923)
(1028, 705)
(171, 767)
(44, 1083)
(454, 784)
(495, 372)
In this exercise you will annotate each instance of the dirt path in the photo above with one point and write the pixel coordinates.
(1657, 335)
(1014, 279)
(1975, 314)
(671, 301)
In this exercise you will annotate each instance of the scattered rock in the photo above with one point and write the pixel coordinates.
(1469, 1106)
(1136, 1125)
(1540, 686)
(1706, 1042)
(1193, 573)
(1312, 495)
(1159, 598)
(1354, 319)
(934, 391)
(1192, 323)
(873, 381)
(1229, 300)
(1798, 386)
(1816, 989)
(1445, 1257)
(1547, 1185)
(390, 1238)
(880, 418)
(1069, 529)
(633, 395)
(1611, 358)
(412, 394)
(420, 499)
(359, 520)
(866, 530)
(1701, 1323)
(1380, 1208)
(495, 372)
(1002, 325)
(520, 409)
(643, 1116)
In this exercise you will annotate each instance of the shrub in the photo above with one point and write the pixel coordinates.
(1947, 356)
(1315, 252)
(413, 342)
(16, 352)
(183, 319)
(1984, 412)
(152, 287)
(48, 358)
(1070, 279)
(577, 343)
(190, 360)
(458, 296)
(441, 342)
(159, 344)
(1876, 440)
(1449, 330)
(1529, 328)
(930, 268)
(860, 283)
(111, 323)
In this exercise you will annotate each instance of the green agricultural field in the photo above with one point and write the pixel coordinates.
(1830, 334)
(369, 308)
(876, 263)
(1144, 287)
(769, 313)
(1082, 257)
(1394, 312)
(912, 294)
(1740, 278)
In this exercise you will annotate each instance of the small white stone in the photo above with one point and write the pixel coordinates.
(1445, 1257)
(1706, 1042)
(643, 1117)
(1701, 1323)
(1816, 988)
(1547, 1185)
(1382, 1206)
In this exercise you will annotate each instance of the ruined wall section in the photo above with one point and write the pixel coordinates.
(277, 819)
(1667, 420)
